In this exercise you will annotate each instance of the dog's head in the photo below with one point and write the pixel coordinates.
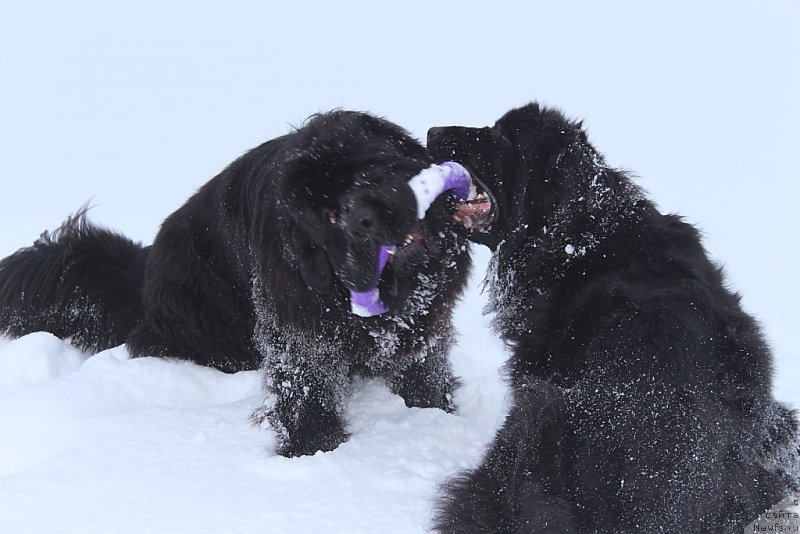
(511, 162)
(343, 193)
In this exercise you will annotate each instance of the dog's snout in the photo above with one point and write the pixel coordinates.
(363, 222)
(435, 135)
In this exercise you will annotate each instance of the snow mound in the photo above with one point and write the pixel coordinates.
(37, 358)
(113, 444)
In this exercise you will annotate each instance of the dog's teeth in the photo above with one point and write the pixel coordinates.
(391, 252)
(408, 240)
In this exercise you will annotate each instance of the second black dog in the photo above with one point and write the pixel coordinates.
(642, 391)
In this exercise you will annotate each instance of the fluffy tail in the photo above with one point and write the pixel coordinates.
(81, 282)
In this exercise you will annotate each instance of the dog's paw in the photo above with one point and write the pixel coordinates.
(291, 446)
(442, 402)
(319, 434)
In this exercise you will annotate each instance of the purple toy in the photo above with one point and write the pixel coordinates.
(427, 186)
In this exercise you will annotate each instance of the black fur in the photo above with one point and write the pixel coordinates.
(642, 391)
(256, 267)
(81, 281)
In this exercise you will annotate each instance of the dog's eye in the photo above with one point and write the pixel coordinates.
(327, 214)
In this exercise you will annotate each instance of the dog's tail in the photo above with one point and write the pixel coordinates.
(81, 282)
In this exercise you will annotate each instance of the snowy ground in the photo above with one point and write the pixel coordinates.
(108, 444)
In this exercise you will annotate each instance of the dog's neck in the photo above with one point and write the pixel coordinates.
(546, 250)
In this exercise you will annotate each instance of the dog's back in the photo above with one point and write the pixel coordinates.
(616, 312)
(80, 282)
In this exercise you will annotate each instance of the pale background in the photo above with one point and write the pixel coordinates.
(135, 105)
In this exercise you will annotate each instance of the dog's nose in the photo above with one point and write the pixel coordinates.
(363, 222)
(435, 135)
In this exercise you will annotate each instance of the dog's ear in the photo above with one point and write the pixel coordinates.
(315, 268)
(310, 259)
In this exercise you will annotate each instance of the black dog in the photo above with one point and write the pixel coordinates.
(256, 267)
(642, 390)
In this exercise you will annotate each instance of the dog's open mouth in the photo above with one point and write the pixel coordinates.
(415, 236)
(479, 212)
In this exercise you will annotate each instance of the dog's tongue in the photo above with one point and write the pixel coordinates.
(427, 186)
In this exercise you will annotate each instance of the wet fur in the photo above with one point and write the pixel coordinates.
(642, 391)
(256, 268)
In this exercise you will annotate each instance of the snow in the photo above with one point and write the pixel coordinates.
(112, 444)
(137, 105)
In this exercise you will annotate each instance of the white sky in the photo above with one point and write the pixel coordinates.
(135, 106)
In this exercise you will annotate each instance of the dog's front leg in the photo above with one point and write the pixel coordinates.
(310, 394)
(428, 381)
